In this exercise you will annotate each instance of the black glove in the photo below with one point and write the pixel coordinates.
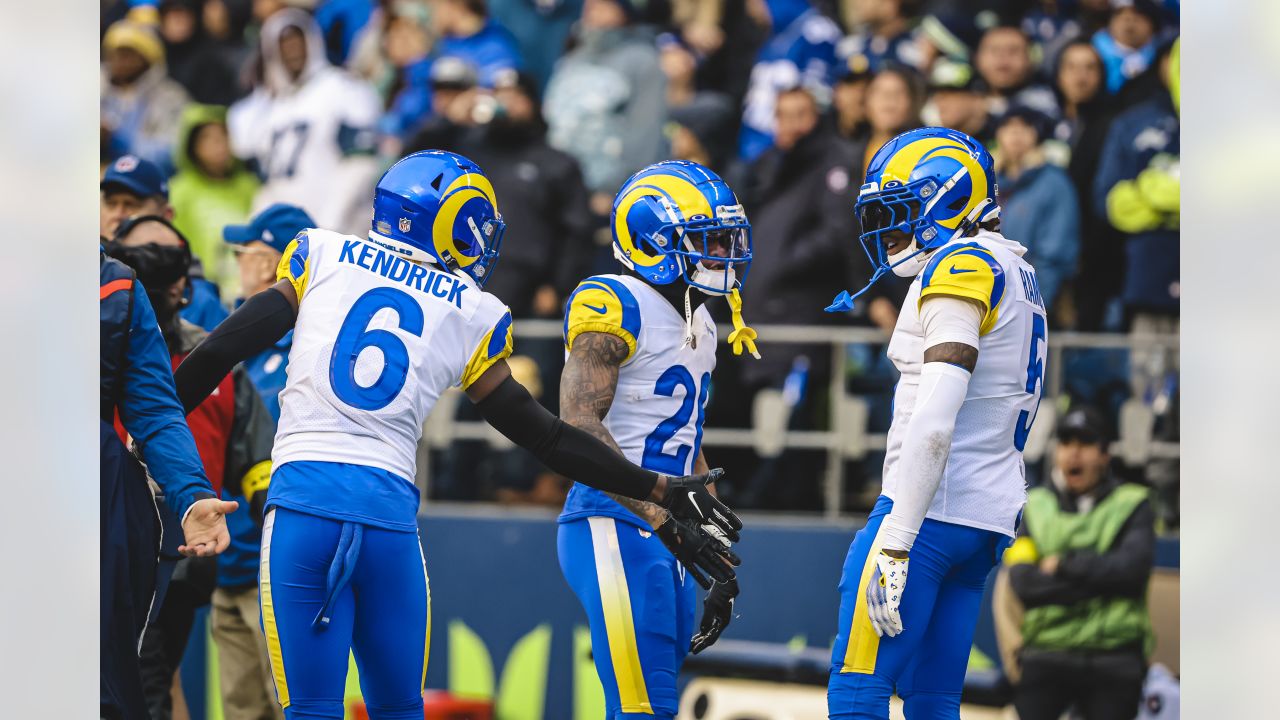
(698, 552)
(689, 501)
(717, 611)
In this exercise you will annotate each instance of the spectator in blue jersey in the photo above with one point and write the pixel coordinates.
(133, 186)
(258, 247)
(884, 33)
(136, 386)
(1128, 43)
(606, 101)
(342, 21)
(466, 31)
(1004, 62)
(1038, 205)
(800, 51)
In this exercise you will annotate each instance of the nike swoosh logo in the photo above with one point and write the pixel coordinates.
(957, 271)
(602, 309)
(694, 502)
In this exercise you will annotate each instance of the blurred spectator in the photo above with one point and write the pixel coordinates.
(1080, 570)
(882, 31)
(1038, 205)
(543, 199)
(1137, 189)
(310, 127)
(211, 189)
(194, 59)
(342, 21)
(232, 430)
(1005, 63)
(453, 101)
(800, 51)
(797, 195)
(606, 101)
(1051, 24)
(258, 247)
(894, 99)
(466, 31)
(958, 100)
(849, 98)
(1128, 43)
(400, 67)
(541, 30)
(133, 187)
(701, 127)
(701, 131)
(1077, 145)
(699, 22)
(946, 35)
(140, 104)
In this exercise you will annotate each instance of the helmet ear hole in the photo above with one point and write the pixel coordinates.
(957, 204)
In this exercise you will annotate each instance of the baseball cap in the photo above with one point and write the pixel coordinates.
(854, 68)
(450, 71)
(956, 76)
(136, 175)
(1086, 425)
(276, 226)
(1042, 124)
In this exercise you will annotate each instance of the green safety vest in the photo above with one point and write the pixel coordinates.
(1100, 623)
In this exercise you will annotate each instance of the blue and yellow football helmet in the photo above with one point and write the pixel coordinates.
(678, 220)
(931, 184)
(439, 207)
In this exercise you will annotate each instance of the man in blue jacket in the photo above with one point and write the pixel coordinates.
(136, 382)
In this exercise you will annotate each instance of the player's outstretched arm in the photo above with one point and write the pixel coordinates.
(511, 410)
(255, 326)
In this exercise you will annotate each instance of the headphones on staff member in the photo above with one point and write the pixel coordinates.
(157, 266)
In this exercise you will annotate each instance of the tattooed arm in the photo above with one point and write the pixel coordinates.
(587, 387)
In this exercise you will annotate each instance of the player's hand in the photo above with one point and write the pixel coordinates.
(884, 592)
(689, 500)
(205, 527)
(717, 611)
(700, 550)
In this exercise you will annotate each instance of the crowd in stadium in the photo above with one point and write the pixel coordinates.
(244, 104)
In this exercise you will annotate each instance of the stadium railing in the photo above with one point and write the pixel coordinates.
(846, 437)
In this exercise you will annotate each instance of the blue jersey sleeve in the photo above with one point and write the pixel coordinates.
(151, 413)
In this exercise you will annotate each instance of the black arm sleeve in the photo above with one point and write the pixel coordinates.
(255, 326)
(568, 450)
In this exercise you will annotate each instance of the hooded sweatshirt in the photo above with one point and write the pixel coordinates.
(203, 204)
(313, 136)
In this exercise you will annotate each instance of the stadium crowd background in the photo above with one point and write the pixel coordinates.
(560, 100)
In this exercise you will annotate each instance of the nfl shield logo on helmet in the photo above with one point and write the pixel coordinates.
(405, 224)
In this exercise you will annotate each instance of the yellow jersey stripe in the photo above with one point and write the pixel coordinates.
(426, 644)
(864, 643)
(619, 623)
(269, 615)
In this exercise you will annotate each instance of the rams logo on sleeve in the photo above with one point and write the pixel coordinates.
(967, 271)
(295, 264)
(601, 304)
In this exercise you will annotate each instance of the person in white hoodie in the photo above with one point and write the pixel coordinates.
(310, 127)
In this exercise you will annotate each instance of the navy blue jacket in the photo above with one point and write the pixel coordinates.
(1137, 136)
(1040, 210)
(141, 387)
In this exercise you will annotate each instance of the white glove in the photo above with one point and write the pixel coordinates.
(884, 592)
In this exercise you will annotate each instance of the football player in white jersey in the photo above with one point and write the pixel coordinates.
(970, 347)
(382, 326)
(640, 351)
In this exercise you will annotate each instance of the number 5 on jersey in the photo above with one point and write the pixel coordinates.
(1035, 380)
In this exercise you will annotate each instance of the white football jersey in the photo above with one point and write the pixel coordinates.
(663, 385)
(984, 483)
(378, 339)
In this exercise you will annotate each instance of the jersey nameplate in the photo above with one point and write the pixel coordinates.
(398, 270)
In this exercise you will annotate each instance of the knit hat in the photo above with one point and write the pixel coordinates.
(137, 37)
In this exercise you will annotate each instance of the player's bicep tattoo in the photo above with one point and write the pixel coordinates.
(954, 353)
(587, 387)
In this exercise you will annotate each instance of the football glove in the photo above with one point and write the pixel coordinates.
(884, 592)
(717, 611)
(699, 550)
(688, 500)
